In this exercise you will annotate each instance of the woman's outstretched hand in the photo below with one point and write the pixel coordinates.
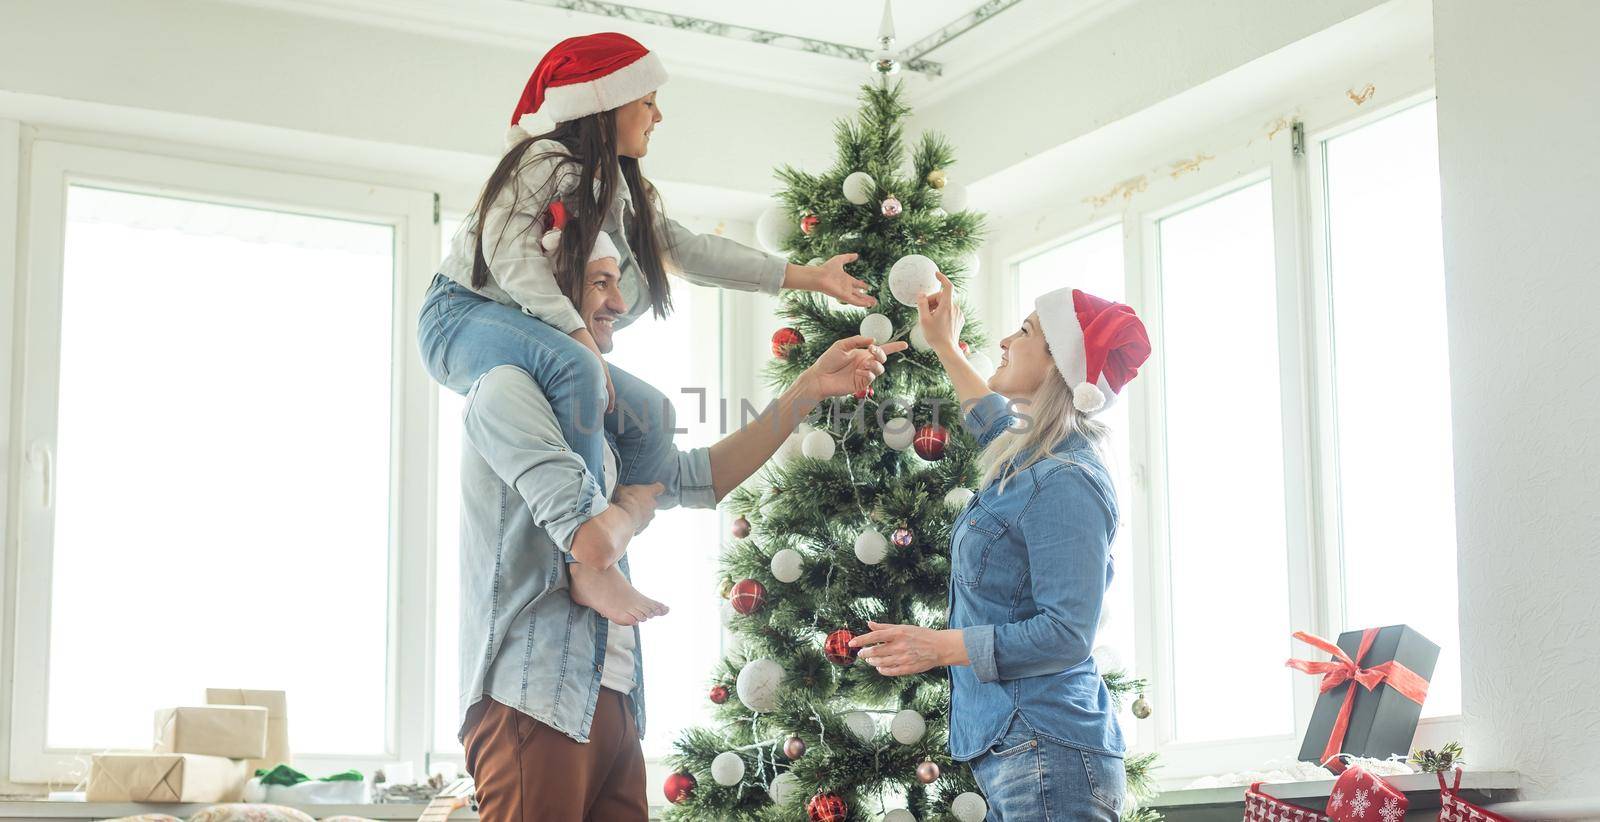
(940, 317)
(830, 278)
(902, 650)
(849, 366)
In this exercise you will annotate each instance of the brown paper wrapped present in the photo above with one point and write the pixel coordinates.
(277, 705)
(233, 731)
(165, 777)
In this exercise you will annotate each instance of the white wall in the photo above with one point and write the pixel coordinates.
(249, 65)
(1518, 131)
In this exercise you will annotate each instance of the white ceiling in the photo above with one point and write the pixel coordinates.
(1011, 35)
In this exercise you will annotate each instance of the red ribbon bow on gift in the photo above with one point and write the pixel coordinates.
(1342, 669)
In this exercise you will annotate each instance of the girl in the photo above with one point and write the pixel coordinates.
(1030, 562)
(507, 291)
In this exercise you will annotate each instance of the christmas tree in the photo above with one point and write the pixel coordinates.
(851, 521)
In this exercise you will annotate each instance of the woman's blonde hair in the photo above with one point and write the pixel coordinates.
(1042, 425)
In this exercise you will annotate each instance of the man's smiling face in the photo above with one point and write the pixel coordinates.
(602, 301)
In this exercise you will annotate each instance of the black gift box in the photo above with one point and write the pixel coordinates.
(1383, 721)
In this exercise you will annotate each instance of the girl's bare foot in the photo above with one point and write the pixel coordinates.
(609, 593)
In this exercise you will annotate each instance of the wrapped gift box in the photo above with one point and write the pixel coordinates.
(165, 777)
(277, 705)
(1371, 693)
(232, 731)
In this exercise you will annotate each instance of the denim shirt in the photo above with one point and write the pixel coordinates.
(1029, 569)
(524, 643)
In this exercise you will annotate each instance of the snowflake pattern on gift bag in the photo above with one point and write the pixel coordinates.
(1360, 803)
(1359, 796)
(1391, 811)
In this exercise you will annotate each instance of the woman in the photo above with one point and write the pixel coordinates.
(1030, 562)
(507, 291)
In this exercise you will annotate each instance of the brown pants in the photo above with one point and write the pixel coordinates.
(526, 770)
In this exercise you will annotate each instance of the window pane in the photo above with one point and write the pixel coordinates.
(1392, 371)
(447, 558)
(223, 508)
(1093, 263)
(1225, 494)
(675, 559)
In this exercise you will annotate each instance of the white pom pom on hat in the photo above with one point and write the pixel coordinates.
(1098, 345)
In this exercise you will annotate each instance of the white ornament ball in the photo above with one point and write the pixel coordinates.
(790, 447)
(958, 497)
(727, 769)
(899, 815)
(758, 683)
(953, 197)
(940, 213)
(725, 610)
(817, 445)
(969, 807)
(911, 277)
(919, 340)
(786, 565)
(871, 547)
(551, 240)
(1106, 659)
(981, 363)
(783, 788)
(899, 433)
(878, 327)
(861, 725)
(859, 188)
(908, 727)
(773, 227)
(971, 264)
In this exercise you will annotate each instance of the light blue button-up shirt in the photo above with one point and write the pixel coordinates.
(524, 493)
(1029, 569)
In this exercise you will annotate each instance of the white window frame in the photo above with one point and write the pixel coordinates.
(56, 165)
(1316, 599)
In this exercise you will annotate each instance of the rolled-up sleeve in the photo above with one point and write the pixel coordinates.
(1067, 528)
(512, 426)
(706, 259)
(694, 479)
(987, 416)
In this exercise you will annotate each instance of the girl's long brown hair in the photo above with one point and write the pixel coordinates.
(591, 144)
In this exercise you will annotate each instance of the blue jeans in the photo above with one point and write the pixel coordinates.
(1027, 777)
(463, 335)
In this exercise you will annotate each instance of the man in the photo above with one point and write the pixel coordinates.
(552, 700)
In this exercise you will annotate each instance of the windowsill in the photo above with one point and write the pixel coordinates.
(1486, 784)
(44, 809)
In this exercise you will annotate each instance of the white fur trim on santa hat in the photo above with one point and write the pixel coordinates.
(617, 89)
(1058, 317)
(603, 248)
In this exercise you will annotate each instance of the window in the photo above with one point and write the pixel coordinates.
(1094, 263)
(214, 403)
(1225, 532)
(1396, 483)
(674, 561)
(1291, 434)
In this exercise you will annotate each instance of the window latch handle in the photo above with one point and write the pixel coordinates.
(43, 458)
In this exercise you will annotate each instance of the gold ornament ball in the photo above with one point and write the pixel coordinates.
(1141, 708)
(936, 178)
(727, 588)
(794, 748)
(928, 772)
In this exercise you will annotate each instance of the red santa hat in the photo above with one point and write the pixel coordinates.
(583, 76)
(1098, 345)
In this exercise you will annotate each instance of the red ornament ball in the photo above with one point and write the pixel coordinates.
(679, 787)
(930, 442)
(785, 340)
(741, 528)
(719, 694)
(748, 596)
(963, 344)
(837, 647)
(808, 224)
(902, 537)
(864, 393)
(827, 807)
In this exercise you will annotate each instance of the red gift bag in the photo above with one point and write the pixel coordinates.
(1259, 807)
(1452, 808)
(1359, 796)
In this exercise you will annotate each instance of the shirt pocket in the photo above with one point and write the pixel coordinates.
(976, 536)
